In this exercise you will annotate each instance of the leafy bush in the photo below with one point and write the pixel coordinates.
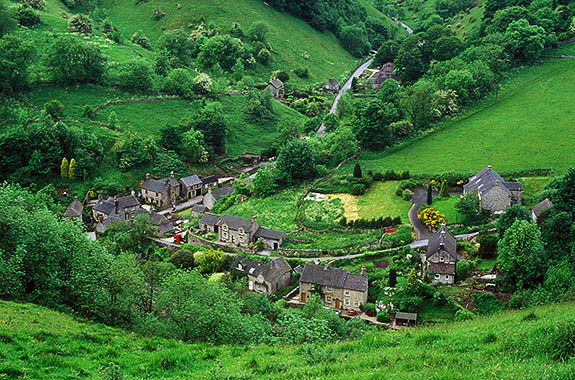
(463, 315)
(487, 246)
(370, 308)
(302, 72)
(36, 4)
(383, 317)
(80, 24)
(140, 39)
(462, 270)
(158, 13)
(179, 82)
(487, 303)
(27, 17)
(358, 189)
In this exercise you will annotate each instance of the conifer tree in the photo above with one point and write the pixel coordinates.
(72, 169)
(357, 171)
(64, 168)
(444, 190)
(429, 195)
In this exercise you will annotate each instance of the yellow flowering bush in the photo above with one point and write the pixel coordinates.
(431, 217)
(460, 182)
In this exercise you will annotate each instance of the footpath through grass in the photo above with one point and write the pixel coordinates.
(529, 126)
(37, 343)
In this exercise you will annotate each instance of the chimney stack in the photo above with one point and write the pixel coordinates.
(116, 205)
(147, 175)
(363, 270)
(172, 174)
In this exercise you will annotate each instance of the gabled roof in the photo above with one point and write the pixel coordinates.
(406, 316)
(486, 179)
(331, 84)
(245, 265)
(192, 180)
(108, 206)
(235, 222)
(268, 233)
(221, 191)
(442, 239)
(275, 82)
(209, 219)
(199, 208)
(333, 277)
(104, 206)
(74, 209)
(545, 204)
(271, 271)
(159, 185)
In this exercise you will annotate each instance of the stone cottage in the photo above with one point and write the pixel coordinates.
(495, 194)
(214, 195)
(271, 239)
(540, 207)
(123, 208)
(210, 181)
(74, 210)
(237, 231)
(209, 222)
(277, 88)
(387, 71)
(265, 278)
(441, 257)
(331, 87)
(341, 290)
(161, 192)
(191, 187)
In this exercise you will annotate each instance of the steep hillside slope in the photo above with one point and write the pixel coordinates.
(528, 126)
(41, 344)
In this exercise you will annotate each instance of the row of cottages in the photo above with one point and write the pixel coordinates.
(241, 231)
(495, 194)
(441, 258)
(265, 278)
(107, 211)
(165, 192)
(341, 290)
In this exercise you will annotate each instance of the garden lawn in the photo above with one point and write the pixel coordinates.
(378, 201)
(532, 186)
(446, 206)
(529, 126)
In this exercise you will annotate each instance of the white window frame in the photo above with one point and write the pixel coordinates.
(328, 299)
(437, 276)
(441, 259)
(328, 288)
(447, 277)
(225, 235)
(356, 303)
(347, 302)
(346, 292)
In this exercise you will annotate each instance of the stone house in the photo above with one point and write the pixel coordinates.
(160, 222)
(191, 186)
(123, 208)
(331, 87)
(214, 195)
(540, 207)
(237, 231)
(495, 194)
(271, 239)
(277, 88)
(74, 210)
(210, 181)
(161, 192)
(441, 257)
(198, 210)
(341, 290)
(265, 278)
(387, 71)
(209, 222)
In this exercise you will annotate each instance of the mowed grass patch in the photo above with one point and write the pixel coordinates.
(529, 126)
(446, 206)
(295, 44)
(378, 201)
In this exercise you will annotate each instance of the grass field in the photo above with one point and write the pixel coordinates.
(379, 200)
(529, 126)
(446, 206)
(532, 186)
(37, 343)
(295, 44)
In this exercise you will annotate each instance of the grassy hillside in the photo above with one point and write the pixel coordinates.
(295, 43)
(41, 344)
(528, 126)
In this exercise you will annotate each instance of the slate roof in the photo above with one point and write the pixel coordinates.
(209, 179)
(245, 265)
(271, 271)
(104, 206)
(486, 179)
(199, 208)
(331, 84)
(275, 82)
(108, 207)
(74, 209)
(191, 181)
(441, 268)
(221, 191)
(333, 277)
(209, 219)
(236, 222)
(406, 316)
(545, 204)
(268, 233)
(442, 238)
(159, 185)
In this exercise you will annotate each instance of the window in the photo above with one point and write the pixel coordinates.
(347, 303)
(447, 277)
(346, 292)
(441, 258)
(225, 227)
(437, 276)
(328, 299)
(224, 235)
(328, 288)
(356, 303)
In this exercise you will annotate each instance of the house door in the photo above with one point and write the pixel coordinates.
(198, 192)
(337, 303)
(275, 246)
(303, 297)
